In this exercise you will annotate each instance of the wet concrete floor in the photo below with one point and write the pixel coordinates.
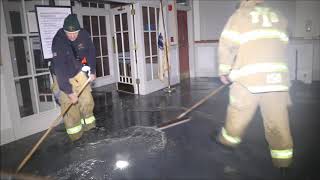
(126, 130)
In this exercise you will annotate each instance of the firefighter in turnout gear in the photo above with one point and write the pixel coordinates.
(252, 55)
(70, 47)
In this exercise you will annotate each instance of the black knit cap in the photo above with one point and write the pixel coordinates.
(71, 23)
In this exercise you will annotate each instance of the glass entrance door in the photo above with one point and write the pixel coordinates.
(94, 18)
(123, 47)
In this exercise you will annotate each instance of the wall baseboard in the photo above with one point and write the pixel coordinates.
(7, 136)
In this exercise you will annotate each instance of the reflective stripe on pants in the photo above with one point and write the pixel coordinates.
(282, 154)
(88, 120)
(275, 119)
(230, 139)
(74, 130)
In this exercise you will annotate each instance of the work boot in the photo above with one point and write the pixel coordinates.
(284, 173)
(88, 127)
(76, 136)
(281, 163)
(231, 173)
(215, 139)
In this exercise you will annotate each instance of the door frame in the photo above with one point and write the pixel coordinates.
(132, 47)
(82, 11)
(183, 75)
(146, 87)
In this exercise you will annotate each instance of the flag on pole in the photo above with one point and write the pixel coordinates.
(163, 49)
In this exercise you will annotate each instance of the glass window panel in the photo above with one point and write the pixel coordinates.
(124, 22)
(145, 18)
(86, 23)
(19, 58)
(94, 5)
(104, 45)
(119, 43)
(98, 67)
(101, 5)
(42, 98)
(14, 16)
(117, 21)
(148, 69)
(121, 69)
(183, 2)
(146, 44)
(95, 26)
(26, 97)
(126, 42)
(106, 67)
(155, 66)
(49, 98)
(103, 30)
(154, 43)
(152, 19)
(96, 43)
(40, 64)
(84, 4)
(128, 67)
(158, 10)
(43, 83)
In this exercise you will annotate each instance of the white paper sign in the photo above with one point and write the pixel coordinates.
(50, 20)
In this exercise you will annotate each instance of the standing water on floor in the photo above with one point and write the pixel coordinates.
(98, 159)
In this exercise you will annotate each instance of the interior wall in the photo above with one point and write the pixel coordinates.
(307, 14)
(211, 16)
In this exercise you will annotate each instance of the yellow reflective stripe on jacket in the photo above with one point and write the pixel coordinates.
(233, 36)
(263, 34)
(258, 68)
(224, 68)
(282, 154)
(267, 88)
(75, 129)
(267, 15)
(233, 140)
(232, 99)
(238, 38)
(89, 120)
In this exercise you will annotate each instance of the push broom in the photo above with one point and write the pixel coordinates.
(181, 117)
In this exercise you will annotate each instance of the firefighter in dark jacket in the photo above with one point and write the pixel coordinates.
(73, 51)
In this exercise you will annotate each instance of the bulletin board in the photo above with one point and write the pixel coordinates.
(50, 19)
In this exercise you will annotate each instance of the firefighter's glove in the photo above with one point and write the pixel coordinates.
(86, 69)
(57, 96)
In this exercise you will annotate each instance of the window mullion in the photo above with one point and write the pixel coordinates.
(122, 42)
(99, 36)
(150, 45)
(30, 57)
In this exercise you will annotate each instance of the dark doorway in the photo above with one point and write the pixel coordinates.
(183, 44)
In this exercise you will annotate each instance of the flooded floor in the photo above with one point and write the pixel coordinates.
(127, 134)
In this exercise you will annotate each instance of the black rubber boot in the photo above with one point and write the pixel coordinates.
(215, 139)
(284, 173)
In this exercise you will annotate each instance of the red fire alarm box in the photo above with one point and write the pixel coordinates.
(170, 7)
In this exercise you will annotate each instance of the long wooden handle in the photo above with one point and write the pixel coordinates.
(52, 125)
(11, 175)
(180, 119)
(201, 101)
